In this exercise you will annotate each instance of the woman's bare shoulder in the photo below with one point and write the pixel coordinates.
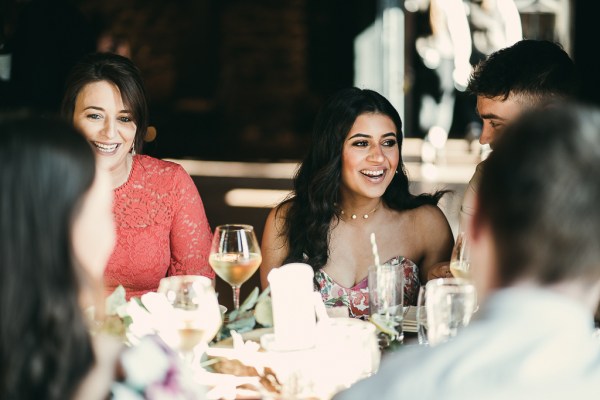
(429, 222)
(278, 215)
(430, 214)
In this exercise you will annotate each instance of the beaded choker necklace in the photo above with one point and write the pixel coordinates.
(364, 216)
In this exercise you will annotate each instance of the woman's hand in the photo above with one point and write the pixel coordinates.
(439, 270)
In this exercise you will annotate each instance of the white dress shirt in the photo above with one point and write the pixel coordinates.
(525, 343)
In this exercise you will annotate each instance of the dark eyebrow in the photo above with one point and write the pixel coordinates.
(491, 116)
(102, 109)
(357, 135)
(362, 135)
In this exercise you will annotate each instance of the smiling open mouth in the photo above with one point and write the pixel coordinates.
(372, 174)
(106, 148)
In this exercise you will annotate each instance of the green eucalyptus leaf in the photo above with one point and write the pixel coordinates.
(115, 300)
(233, 315)
(139, 301)
(264, 294)
(250, 300)
(243, 319)
(127, 321)
(244, 324)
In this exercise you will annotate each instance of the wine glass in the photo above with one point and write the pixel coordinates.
(194, 316)
(235, 256)
(460, 261)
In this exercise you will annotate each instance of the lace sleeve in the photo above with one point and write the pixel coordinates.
(191, 234)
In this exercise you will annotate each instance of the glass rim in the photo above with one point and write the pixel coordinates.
(186, 278)
(235, 227)
(448, 281)
(401, 263)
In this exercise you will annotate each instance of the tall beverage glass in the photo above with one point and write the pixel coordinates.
(386, 295)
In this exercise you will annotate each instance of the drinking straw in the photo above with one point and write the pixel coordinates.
(374, 248)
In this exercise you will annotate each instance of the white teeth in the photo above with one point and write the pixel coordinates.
(108, 148)
(372, 173)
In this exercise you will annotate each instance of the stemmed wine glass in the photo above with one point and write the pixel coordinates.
(460, 261)
(194, 316)
(235, 256)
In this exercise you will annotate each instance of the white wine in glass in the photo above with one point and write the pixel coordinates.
(235, 256)
(195, 317)
(460, 262)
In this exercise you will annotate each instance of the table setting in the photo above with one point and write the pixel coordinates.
(284, 342)
(280, 343)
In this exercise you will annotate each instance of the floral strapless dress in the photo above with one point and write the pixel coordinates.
(356, 298)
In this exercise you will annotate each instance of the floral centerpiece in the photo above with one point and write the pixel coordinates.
(132, 320)
(151, 370)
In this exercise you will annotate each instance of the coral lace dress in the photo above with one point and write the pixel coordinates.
(162, 228)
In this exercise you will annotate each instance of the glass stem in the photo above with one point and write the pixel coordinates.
(236, 296)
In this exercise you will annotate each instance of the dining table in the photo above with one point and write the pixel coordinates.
(240, 367)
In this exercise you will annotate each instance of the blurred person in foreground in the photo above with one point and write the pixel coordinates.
(56, 235)
(353, 183)
(535, 245)
(162, 229)
(528, 74)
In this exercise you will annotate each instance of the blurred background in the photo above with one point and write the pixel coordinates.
(234, 85)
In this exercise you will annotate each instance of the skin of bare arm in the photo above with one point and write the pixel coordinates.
(274, 245)
(437, 242)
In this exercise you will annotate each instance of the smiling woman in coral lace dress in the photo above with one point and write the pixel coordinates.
(353, 183)
(162, 228)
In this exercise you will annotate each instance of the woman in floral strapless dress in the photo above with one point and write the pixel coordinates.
(352, 183)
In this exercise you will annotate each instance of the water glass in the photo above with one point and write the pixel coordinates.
(449, 303)
(421, 316)
(336, 336)
(386, 295)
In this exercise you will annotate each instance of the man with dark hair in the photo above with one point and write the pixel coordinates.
(536, 266)
(530, 73)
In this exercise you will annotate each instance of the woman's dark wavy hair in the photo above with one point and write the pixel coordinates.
(121, 72)
(46, 167)
(317, 182)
